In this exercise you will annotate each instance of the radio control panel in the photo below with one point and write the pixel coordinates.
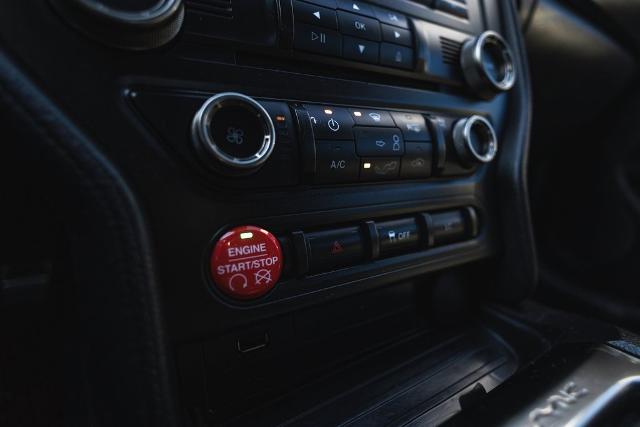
(355, 31)
(442, 41)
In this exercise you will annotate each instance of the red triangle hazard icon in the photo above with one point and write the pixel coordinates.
(336, 248)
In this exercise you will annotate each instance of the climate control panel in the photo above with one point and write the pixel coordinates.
(256, 143)
(355, 144)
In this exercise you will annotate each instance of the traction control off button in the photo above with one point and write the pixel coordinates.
(246, 262)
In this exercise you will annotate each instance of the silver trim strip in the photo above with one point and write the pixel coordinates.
(586, 416)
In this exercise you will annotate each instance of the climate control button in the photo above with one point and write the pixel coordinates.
(233, 132)
(413, 126)
(372, 117)
(417, 161)
(330, 122)
(372, 141)
(336, 162)
(475, 141)
(246, 262)
(380, 168)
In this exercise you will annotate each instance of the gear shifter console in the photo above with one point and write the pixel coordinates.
(573, 385)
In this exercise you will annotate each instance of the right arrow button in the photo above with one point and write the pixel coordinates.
(396, 35)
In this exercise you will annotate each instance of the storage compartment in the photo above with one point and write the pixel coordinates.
(358, 361)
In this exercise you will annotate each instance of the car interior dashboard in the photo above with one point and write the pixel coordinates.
(319, 212)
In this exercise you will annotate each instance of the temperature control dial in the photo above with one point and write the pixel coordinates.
(233, 133)
(475, 141)
(487, 64)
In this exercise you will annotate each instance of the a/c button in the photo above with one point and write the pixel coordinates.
(336, 161)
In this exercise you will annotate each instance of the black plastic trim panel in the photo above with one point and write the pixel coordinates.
(114, 315)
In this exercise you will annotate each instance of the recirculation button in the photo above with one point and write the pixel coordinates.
(246, 262)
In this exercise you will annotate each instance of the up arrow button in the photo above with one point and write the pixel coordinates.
(314, 14)
(355, 6)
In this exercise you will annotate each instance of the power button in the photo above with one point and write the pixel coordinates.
(330, 122)
(246, 262)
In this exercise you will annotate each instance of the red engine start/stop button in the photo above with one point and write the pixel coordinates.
(246, 262)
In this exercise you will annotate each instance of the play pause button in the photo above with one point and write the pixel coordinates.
(360, 50)
(317, 40)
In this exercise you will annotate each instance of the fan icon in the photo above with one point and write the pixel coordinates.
(235, 136)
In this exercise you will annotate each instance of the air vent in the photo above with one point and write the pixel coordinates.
(221, 8)
(450, 51)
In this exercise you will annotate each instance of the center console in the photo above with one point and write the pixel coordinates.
(416, 164)
(311, 172)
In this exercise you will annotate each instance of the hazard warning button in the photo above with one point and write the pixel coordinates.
(329, 250)
(246, 262)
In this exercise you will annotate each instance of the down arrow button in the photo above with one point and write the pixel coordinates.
(361, 50)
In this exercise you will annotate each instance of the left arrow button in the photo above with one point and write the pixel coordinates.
(316, 15)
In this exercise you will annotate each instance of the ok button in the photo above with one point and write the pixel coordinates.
(359, 26)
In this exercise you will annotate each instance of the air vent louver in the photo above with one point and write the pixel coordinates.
(221, 8)
(450, 51)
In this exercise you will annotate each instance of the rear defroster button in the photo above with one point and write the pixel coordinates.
(246, 262)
